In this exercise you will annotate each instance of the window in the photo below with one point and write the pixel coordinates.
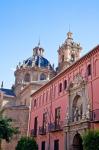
(42, 76)
(72, 57)
(43, 145)
(89, 69)
(57, 116)
(60, 87)
(56, 144)
(65, 84)
(27, 77)
(35, 126)
(35, 103)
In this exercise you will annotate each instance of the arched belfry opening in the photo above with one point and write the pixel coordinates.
(77, 142)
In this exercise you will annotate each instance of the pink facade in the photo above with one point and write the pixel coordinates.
(52, 106)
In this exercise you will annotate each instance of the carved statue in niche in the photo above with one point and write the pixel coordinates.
(78, 99)
(77, 109)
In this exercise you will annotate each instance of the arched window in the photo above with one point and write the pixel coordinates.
(42, 76)
(72, 57)
(60, 87)
(89, 69)
(27, 77)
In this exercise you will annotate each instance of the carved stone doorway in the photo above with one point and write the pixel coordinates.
(77, 142)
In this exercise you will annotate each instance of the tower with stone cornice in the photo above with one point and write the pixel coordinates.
(68, 53)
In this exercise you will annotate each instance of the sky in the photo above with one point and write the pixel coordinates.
(24, 22)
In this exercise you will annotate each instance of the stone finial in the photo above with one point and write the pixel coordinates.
(2, 84)
(69, 35)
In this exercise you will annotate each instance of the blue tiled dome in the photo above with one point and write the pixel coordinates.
(39, 61)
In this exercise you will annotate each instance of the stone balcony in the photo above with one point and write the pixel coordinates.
(94, 115)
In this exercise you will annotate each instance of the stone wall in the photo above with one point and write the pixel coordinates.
(19, 115)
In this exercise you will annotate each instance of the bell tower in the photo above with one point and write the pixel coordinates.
(68, 52)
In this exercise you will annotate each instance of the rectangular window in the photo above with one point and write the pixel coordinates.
(43, 145)
(56, 144)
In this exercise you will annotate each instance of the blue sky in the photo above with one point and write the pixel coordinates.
(23, 22)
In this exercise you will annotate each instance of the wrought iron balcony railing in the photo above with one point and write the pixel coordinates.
(42, 130)
(94, 115)
(33, 133)
(53, 127)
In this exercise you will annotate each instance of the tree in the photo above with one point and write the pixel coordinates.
(91, 140)
(27, 143)
(6, 129)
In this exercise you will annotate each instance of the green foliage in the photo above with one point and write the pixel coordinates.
(6, 129)
(27, 143)
(91, 140)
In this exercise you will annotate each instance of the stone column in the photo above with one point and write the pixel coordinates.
(65, 141)
(68, 141)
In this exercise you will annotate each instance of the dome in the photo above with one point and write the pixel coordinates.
(39, 61)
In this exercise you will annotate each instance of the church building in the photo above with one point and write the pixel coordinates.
(67, 106)
(55, 106)
(30, 75)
